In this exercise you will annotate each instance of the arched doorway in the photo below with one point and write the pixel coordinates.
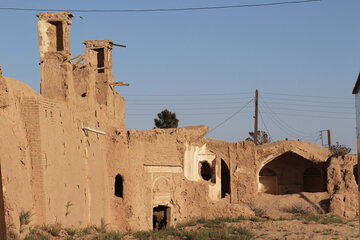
(225, 179)
(268, 181)
(313, 180)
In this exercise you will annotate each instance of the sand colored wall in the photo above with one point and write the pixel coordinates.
(54, 165)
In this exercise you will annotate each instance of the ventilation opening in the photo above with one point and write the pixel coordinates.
(205, 171)
(119, 186)
(161, 217)
(268, 181)
(312, 180)
(225, 179)
(100, 60)
(355, 171)
(59, 35)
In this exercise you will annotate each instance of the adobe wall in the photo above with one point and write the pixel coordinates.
(67, 157)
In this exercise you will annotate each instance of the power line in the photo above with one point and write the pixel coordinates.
(304, 110)
(233, 115)
(285, 125)
(309, 101)
(186, 103)
(309, 96)
(185, 100)
(262, 120)
(309, 105)
(183, 95)
(156, 9)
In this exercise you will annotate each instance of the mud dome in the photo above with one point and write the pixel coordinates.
(67, 157)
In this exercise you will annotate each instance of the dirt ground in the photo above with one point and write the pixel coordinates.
(301, 229)
(322, 227)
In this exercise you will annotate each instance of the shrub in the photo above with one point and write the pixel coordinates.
(339, 150)
(24, 218)
(300, 209)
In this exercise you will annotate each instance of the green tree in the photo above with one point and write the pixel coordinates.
(166, 119)
(262, 137)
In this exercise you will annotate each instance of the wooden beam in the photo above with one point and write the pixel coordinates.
(119, 83)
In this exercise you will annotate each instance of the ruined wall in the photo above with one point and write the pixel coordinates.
(66, 156)
(3, 104)
(16, 165)
(342, 186)
(51, 166)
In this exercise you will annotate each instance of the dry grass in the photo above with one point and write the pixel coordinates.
(299, 209)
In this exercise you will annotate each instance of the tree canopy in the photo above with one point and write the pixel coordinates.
(339, 150)
(262, 137)
(166, 119)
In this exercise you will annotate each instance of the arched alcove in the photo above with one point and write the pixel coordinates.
(268, 181)
(119, 188)
(291, 173)
(225, 179)
(313, 180)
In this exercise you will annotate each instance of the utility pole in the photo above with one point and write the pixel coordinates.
(322, 138)
(256, 117)
(329, 138)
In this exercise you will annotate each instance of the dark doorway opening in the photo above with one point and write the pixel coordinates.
(313, 180)
(100, 60)
(205, 171)
(119, 188)
(59, 35)
(161, 217)
(225, 179)
(356, 175)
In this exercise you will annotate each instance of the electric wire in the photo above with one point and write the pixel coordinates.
(309, 105)
(289, 129)
(267, 130)
(309, 101)
(233, 115)
(263, 103)
(298, 95)
(156, 9)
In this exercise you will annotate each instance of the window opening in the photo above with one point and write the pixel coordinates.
(119, 186)
(100, 60)
(205, 171)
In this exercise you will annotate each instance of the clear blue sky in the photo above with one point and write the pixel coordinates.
(206, 65)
